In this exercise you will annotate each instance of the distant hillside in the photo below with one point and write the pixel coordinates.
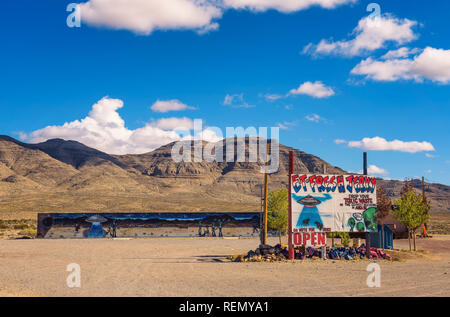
(67, 176)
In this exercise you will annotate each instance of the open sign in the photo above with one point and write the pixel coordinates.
(310, 238)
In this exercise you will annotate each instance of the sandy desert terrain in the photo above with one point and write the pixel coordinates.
(198, 267)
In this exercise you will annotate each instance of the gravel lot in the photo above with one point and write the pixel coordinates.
(197, 267)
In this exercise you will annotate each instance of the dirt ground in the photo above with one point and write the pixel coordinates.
(198, 267)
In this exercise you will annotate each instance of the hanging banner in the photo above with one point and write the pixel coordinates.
(333, 203)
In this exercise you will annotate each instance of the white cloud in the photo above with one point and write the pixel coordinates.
(430, 155)
(381, 144)
(316, 90)
(174, 124)
(170, 105)
(339, 141)
(286, 124)
(282, 126)
(314, 118)
(402, 52)
(431, 63)
(370, 34)
(428, 171)
(209, 135)
(236, 101)
(145, 16)
(373, 169)
(22, 135)
(272, 97)
(285, 6)
(105, 130)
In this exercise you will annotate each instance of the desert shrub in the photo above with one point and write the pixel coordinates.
(345, 238)
(28, 232)
(20, 226)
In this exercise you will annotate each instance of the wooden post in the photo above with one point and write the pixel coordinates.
(332, 233)
(266, 194)
(291, 171)
(367, 234)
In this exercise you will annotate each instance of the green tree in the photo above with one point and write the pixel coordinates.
(412, 212)
(278, 205)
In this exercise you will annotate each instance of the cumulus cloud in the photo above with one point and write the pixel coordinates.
(146, 16)
(370, 34)
(286, 124)
(431, 63)
(209, 135)
(272, 97)
(285, 6)
(381, 144)
(402, 52)
(316, 90)
(174, 124)
(105, 130)
(375, 170)
(170, 105)
(236, 101)
(314, 118)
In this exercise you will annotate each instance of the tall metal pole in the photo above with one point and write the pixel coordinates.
(365, 163)
(367, 234)
(266, 193)
(291, 171)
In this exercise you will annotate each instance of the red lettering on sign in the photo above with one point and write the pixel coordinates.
(321, 238)
(306, 237)
(297, 239)
(319, 180)
(313, 238)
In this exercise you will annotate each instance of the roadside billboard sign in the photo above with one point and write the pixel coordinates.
(333, 203)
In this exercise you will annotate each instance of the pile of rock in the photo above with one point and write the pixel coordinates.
(348, 253)
(265, 253)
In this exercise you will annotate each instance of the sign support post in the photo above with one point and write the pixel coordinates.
(266, 195)
(367, 234)
(291, 171)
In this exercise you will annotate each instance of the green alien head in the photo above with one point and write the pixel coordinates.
(351, 222)
(360, 227)
(370, 218)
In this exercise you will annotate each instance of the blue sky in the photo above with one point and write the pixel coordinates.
(331, 100)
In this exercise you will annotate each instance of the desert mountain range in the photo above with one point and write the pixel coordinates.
(67, 176)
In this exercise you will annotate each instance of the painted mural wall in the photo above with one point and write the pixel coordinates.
(333, 203)
(112, 225)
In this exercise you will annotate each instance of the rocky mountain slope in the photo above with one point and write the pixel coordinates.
(67, 176)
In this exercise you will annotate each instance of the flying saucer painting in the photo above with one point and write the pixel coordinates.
(96, 230)
(309, 201)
